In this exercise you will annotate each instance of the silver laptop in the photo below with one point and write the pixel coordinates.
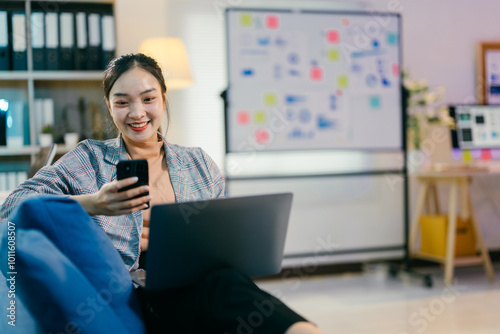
(188, 240)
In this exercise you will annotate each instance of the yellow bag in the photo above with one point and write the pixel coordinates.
(434, 234)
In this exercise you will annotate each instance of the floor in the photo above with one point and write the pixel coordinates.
(373, 302)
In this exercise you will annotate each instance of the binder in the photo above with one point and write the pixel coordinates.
(4, 42)
(81, 40)
(52, 41)
(4, 106)
(94, 43)
(48, 112)
(39, 105)
(38, 40)
(108, 39)
(11, 181)
(19, 60)
(67, 41)
(3, 181)
(15, 124)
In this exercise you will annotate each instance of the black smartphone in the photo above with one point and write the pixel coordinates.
(129, 168)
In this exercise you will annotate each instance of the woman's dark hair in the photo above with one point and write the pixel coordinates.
(122, 64)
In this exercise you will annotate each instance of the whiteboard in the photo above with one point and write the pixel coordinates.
(313, 80)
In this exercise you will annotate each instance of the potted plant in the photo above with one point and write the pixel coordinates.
(70, 137)
(428, 123)
(46, 137)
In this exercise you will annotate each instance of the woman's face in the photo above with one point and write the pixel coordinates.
(137, 104)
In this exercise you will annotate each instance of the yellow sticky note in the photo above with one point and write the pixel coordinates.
(260, 117)
(246, 20)
(467, 156)
(343, 81)
(333, 55)
(270, 99)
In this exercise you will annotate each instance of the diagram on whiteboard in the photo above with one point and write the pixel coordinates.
(300, 81)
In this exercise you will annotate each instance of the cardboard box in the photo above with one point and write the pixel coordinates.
(434, 230)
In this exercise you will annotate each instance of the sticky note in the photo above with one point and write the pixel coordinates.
(246, 20)
(466, 156)
(495, 154)
(272, 21)
(456, 154)
(395, 70)
(262, 136)
(270, 99)
(243, 117)
(375, 102)
(333, 55)
(392, 38)
(486, 154)
(316, 73)
(332, 36)
(343, 81)
(260, 117)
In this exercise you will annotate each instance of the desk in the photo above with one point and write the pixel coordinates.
(458, 180)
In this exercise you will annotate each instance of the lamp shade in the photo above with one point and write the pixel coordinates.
(172, 58)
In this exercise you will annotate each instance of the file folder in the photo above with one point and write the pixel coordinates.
(4, 107)
(94, 46)
(81, 41)
(15, 124)
(52, 41)
(38, 40)
(108, 39)
(4, 42)
(19, 61)
(67, 42)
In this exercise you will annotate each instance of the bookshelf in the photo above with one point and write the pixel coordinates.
(75, 93)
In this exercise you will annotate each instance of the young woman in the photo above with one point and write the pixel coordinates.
(135, 94)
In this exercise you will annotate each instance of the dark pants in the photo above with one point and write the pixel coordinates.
(225, 301)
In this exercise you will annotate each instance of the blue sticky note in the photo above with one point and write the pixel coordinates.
(375, 102)
(263, 41)
(325, 123)
(392, 38)
(247, 72)
(293, 58)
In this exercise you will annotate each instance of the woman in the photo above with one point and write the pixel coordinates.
(135, 94)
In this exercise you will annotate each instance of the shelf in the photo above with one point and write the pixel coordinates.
(51, 75)
(29, 150)
(18, 151)
(457, 261)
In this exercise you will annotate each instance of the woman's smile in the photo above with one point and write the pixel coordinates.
(139, 126)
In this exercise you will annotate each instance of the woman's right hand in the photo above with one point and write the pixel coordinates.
(108, 201)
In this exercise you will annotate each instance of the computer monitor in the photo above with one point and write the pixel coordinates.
(477, 126)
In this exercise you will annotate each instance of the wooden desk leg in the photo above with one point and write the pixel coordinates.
(479, 240)
(452, 227)
(464, 198)
(416, 216)
(434, 193)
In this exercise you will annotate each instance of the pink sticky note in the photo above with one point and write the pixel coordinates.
(316, 73)
(262, 136)
(395, 70)
(272, 22)
(243, 117)
(332, 36)
(485, 154)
